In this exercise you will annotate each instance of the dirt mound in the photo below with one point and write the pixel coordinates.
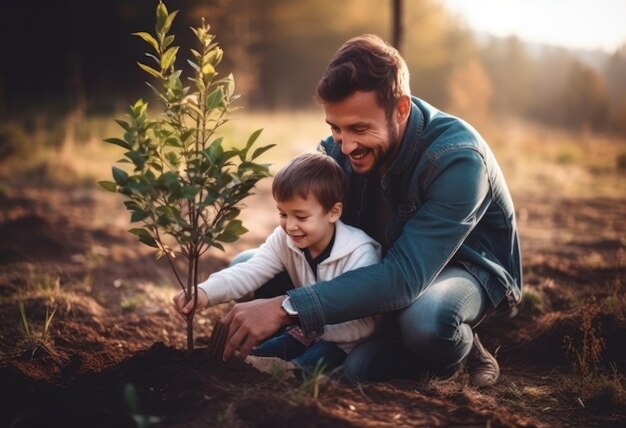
(545, 342)
(32, 238)
(191, 391)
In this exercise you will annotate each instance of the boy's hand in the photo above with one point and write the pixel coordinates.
(251, 322)
(183, 308)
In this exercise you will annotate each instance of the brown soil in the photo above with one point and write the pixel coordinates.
(67, 248)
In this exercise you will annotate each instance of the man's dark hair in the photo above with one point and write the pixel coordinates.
(311, 173)
(365, 63)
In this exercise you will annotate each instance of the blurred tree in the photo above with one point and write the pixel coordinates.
(398, 24)
(434, 44)
(512, 72)
(586, 99)
(615, 72)
(470, 92)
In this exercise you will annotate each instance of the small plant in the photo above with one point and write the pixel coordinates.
(35, 339)
(312, 381)
(142, 421)
(586, 354)
(185, 189)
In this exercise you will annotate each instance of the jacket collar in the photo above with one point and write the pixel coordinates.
(410, 146)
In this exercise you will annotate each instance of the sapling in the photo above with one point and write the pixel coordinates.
(185, 190)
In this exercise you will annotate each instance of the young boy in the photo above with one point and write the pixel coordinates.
(311, 244)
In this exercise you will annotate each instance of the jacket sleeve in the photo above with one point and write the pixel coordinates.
(238, 280)
(454, 201)
(358, 329)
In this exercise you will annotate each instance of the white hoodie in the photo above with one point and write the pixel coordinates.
(352, 249)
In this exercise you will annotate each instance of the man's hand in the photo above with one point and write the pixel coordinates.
(251, 322)
(184, 309)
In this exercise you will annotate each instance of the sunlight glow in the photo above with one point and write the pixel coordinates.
(579, 24)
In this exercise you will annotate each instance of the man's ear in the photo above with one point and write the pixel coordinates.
(403, 108)
(335, 212)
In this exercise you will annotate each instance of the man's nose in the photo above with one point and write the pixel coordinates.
(347, 144)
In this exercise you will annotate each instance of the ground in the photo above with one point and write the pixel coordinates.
(113, 352)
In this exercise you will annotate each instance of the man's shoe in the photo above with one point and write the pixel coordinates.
(482, 367)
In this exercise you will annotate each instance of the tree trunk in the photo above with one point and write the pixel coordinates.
(397, 25)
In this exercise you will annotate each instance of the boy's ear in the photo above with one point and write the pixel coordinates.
(336, 211)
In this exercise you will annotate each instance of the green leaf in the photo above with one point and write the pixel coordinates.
(190, 192)
(215, 98)
(123, 124)
(211, 197)
(108, 185)
(227, 237)
(253, 137)
(144, 236)
(118, 142)
(168, 58)
(168, 41)
(185, 135)
(148, 38)
(120, 176)
(217, 245)
(208, 71)
(132, 205)
(194, 65)
(244, 152)
(161, 17)
(236, 227)
(150, 70)
(138, 159)
(172, 142)
(169, 20)
(232, 214)
(258, 152)
(138, 216)
(130, 394)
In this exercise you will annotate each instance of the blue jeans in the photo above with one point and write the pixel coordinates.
(306, 358)
(431, 335)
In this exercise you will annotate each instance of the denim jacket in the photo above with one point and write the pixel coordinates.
(449, 205)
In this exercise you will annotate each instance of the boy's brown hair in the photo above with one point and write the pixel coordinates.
(311, 174)
(365, 63)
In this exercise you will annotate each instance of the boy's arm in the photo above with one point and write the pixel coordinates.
(238, 280)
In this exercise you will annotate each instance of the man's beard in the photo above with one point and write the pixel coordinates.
(394, 143)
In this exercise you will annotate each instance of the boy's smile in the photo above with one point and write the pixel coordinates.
(307, 223)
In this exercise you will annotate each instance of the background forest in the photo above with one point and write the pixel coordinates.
(75, 56)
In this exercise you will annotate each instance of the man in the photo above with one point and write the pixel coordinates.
(428, 188)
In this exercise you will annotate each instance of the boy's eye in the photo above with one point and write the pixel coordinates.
(301, 218)
(282, 215)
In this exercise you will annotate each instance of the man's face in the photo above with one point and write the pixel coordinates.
(359, 125)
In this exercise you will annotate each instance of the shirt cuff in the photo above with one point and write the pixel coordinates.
(310, 313)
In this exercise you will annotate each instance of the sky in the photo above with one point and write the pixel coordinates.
(586, 24)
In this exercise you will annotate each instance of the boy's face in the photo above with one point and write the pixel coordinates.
(307, 223)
